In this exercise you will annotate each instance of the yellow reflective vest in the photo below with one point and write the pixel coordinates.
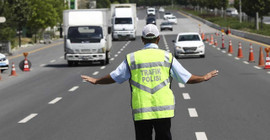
(150, 83)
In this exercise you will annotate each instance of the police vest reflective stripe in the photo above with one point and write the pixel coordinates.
(152, 97)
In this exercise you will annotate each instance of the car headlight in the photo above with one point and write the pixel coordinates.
(102, 50)
(202, 46)
(3, 59)
(178, 47)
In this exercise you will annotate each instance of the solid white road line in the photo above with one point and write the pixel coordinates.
(95, 73)
(192, 112)
(28, 118)
(181, 85)
(186, 96)
(73, 89)
(54, 101)
(201, 136)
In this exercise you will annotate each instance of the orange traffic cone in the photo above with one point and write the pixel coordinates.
(202, 36)
(240, 52)
(267, 63)
(26, 65)
(230, 50)
(229, 31)
(212, 40)
(13, 70)
(223, 44)
(216, 43)
(251, 55)
(261, 58)
(207, 39)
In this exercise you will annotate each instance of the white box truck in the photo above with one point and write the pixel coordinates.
(124, 21)
(87, 35)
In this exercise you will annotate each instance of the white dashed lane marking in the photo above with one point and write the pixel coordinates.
(181, 85)
(73, 88)
(52, 61)
(95, 73)
(54, 101)
(103, 67)
(28, 118)
(201, 136)
(42, 65)
(186, 96)
(192, 112)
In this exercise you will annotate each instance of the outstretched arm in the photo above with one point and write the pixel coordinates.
(197, 79)
(104, 80)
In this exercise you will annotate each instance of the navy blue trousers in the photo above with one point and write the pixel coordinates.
(162, 127)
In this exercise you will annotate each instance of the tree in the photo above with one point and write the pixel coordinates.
(250, 7)
(103, 3)
(43, 15)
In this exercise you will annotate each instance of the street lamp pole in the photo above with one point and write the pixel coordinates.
(240, 11)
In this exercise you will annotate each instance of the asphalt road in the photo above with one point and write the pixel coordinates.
(51, 102)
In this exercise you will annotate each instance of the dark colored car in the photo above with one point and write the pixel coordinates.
(151, 20)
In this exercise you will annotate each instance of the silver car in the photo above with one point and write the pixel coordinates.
(166, 26)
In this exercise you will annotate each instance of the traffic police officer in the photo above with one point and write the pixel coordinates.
(149, 71)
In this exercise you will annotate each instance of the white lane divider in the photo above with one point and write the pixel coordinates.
(201, 136)
(42, 65)
(103, 67)
(28, 118)
(236, 58)
(52, 61)
(61, 57)
(73, 88)
(112, 59)
(54, 101)
(186, 96)
(95, 73)
(257, 67)
(245, 62)
(181, 85)
(192, 112)
(115, 55)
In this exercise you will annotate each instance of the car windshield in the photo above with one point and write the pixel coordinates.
(189, 38)
(85, 34)
(167, 13)
(123, 21)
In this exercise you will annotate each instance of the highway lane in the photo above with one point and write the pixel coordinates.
(230, 106)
